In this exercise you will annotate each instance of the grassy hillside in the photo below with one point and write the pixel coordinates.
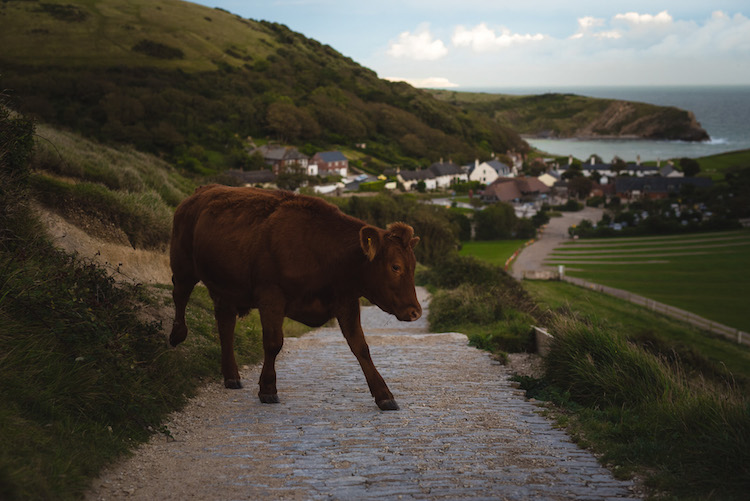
(193, 83)
(570, 115)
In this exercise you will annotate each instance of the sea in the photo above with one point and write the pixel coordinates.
(723, 111)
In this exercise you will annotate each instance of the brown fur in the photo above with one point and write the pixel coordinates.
(288, 255)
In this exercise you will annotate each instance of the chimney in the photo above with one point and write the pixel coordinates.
(570, 159)
(476, 163)
(658, 163)
(638, 160)
(592, 160)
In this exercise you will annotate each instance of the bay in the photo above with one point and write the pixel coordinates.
(723, 111)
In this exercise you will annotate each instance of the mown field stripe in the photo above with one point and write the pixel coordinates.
(600, 241)
(645, 245)
(644, 250)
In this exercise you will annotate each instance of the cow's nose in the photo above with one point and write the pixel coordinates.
(414, 314)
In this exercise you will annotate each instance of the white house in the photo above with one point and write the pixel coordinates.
(410, 179)
(488, 172)
(447, 174)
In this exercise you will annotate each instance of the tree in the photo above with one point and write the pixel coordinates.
(690, 167)
(496, 221)
(580, 187)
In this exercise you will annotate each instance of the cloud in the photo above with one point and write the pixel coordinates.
(419, 46)
(428, 83)
(484, 39)
(634, 19)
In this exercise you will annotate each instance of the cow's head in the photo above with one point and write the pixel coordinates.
(389, 273)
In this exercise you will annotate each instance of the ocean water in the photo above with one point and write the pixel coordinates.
(723, 111)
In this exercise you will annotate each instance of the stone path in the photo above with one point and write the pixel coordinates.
(463, 432)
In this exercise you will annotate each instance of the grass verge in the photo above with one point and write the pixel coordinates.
(709, 278)
(688, 437)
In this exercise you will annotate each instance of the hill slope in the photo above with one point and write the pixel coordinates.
(166, 75)
(570, 115)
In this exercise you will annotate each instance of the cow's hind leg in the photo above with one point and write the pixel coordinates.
(226, 318)
(180, 293)
(351, 327)
(272, 319)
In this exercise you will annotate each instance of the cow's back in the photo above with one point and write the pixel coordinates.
(239, 238)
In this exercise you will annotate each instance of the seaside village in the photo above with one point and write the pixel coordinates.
(504, 178)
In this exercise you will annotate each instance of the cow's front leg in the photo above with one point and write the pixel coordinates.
(351, 327)
(272, 319)
(226, 318)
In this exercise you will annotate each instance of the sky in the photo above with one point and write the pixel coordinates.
(475, 44)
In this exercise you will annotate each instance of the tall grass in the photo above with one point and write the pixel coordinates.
(482, 301)
(688, 437)
(83, 377)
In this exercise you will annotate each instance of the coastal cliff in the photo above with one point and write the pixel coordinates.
(574, 116)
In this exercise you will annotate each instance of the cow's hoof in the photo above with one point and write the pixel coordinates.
(269, 399)
(388, 405)
(232, 384)
(178, 334)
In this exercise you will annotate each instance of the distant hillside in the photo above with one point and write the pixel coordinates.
(570, 115)
(192, 83)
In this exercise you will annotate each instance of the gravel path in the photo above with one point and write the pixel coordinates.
(530, 259)
(463, 431)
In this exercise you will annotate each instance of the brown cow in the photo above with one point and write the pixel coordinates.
(288, 256)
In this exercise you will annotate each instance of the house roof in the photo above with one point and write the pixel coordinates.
(505, 192)
(512, 188)
(498, 166)
(416, 175)
(445, 169)
(659, 184)
(331, 156)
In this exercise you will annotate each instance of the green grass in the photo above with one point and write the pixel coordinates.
(203, 35)
(687, 438)
(664, 334)
(495, 252)
(715, 166)
(709, 278)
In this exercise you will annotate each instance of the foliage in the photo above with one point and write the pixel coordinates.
(689, 438)
(690, 167)
(437, 227)
(256, 79)
(84, 377)
(570, 115)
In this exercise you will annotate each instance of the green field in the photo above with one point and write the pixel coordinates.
(707, 274)
(493, 251)
(715, 166)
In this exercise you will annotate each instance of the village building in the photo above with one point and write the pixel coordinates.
(331, 163)
(488, 172)
(447, 174)
(411, 178)
(515, 189)
(634, 188)
(284, 158)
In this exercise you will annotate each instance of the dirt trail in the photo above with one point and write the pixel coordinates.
(463, 431)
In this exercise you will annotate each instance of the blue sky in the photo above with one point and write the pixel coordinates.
(519, 43)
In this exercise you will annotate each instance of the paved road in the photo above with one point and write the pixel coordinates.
(463, 432)
(530, 259)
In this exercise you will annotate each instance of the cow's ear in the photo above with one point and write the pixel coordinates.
(414, 242)
(369, 239)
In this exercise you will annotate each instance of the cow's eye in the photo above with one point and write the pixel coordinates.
(396, 268)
